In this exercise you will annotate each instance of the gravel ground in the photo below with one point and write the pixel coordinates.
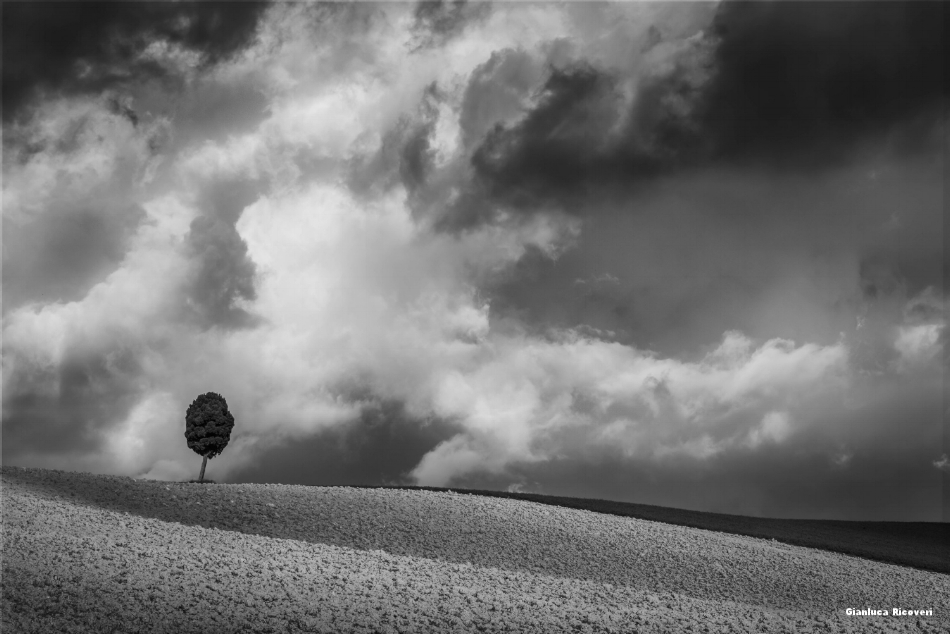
(91, 553)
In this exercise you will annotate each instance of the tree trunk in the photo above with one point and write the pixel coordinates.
(201, 478)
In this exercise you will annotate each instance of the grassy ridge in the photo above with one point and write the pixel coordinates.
(921, 545)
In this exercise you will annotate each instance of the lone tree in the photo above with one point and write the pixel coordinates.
(208, 425)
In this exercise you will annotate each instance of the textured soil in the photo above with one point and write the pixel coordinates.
(90, 553)
(923, 545)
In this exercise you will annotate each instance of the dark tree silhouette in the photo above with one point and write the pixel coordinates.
(208, 425)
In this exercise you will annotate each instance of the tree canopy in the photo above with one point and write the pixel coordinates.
(208, 425)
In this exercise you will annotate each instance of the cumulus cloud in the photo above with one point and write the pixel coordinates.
(536, 399)
(775, 427)
(918, 344)
(920, 338)
(327, 275)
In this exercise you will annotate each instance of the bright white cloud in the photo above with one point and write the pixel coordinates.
(918, 344)
(452, 458)
(144, 435)
(175, 58)
(525, 391)
(918, 339)
(775, 428)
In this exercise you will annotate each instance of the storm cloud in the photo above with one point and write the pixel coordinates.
(224, 275)
(671, 253)
(56, 48)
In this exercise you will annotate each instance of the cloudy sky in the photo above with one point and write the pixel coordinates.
(678, 254)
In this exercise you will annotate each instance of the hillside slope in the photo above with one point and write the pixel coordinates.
(88, 553)
(923, 545)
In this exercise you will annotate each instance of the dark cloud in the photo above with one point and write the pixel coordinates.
(122, 107)
(495, 91)
(772, 255)
(581, 141)
(226, 199)
(793, 85)
(225, 273)
(59, 256)
(700, 237)
(555, 154)
(379, 448)
(416, 158)
(94, 391)
(74, 47)
(563, 141)
(438, 21)
(666, 126)
(801, 82)
(208, 109)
